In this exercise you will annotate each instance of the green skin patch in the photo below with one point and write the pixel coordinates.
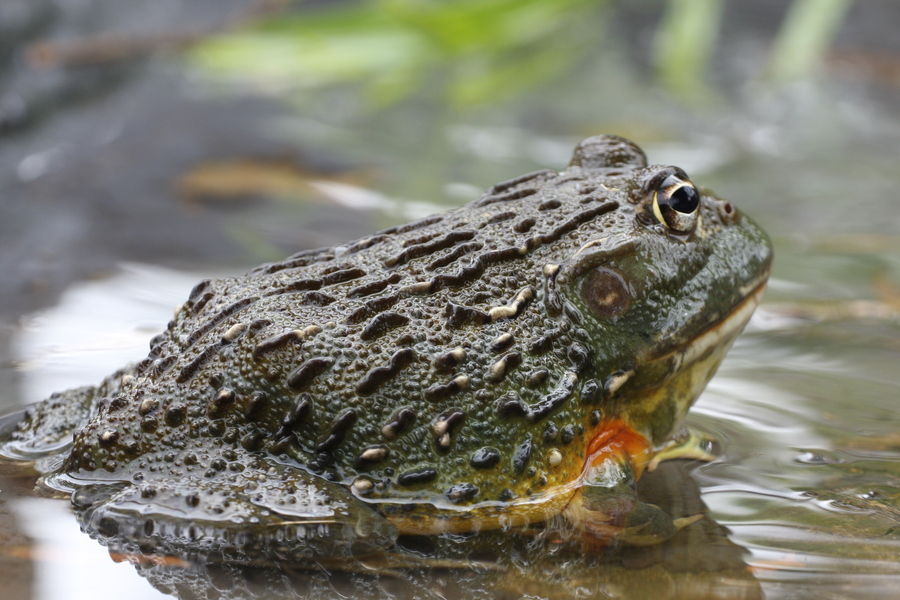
(445, 375)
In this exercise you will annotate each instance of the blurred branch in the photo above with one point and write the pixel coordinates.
(807, 32)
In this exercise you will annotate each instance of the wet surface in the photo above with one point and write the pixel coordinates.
(119, 192)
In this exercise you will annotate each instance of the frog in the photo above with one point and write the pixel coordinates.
(520, 360)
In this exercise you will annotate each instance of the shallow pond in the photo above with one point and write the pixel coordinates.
(803, 500)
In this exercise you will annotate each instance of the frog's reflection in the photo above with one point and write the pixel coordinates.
(699, 562)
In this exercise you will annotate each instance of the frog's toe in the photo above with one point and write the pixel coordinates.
(692, 445)
(285, 514)
(618, 514)
(647, 524)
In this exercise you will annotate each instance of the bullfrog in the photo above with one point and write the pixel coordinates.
(520, 359)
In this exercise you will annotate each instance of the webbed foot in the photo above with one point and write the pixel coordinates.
(46, 428)
(612, 509)
(692, 445)
(607, 505)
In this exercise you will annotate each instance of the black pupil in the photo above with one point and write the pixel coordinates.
(685, 199)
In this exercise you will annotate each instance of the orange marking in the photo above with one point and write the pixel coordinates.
(616, 439)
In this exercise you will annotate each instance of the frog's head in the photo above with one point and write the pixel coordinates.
(665, 290)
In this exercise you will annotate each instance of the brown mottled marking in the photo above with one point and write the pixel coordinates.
(475, 268)
(338, 430)
(275, 341)
(253, 440)
(374, 287)
(303, 375)
(378, 376)
(403, 419)
(508, 361)
(549, 204)
(519, 302)
(191, 368)
(540, 176)
(418, 250)
(427, 237)
(507, 197)
(500, 217)
(298, 414)
(543, 343)
(446, 361)
(342, 276)
(301, 285)
(255, 404)
(420, 224)
(381, 324)
(458, 315)
(197, 290)
(317, 299)
(511, 403)
(201, 302)
(365, 243)
(257, 324)
(296, 260)
(234, 332)
(219, 317)
(416, 289)
(372, 307)
(570, 225)
(457, 253)
(502, 342)
(160, 365)
(524, 226)
(440, 391)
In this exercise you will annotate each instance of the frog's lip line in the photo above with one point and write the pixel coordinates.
(728, 325)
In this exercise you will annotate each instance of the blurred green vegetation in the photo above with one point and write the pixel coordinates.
(472, 52)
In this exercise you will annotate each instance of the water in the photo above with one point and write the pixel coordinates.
(804, 499)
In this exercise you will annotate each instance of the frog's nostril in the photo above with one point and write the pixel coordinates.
(727, 212)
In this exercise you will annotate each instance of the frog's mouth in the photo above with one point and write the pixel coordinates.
(717, 334)
(659, 394)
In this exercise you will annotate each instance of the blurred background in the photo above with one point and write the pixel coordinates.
(144, 145)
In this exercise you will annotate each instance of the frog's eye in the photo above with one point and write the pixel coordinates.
(676, 204)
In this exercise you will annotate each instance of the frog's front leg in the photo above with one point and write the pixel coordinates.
(607, 505)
